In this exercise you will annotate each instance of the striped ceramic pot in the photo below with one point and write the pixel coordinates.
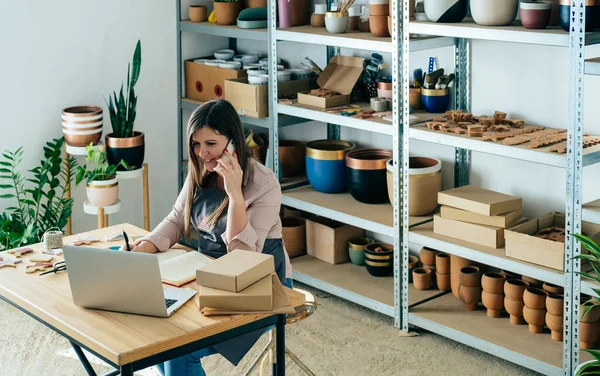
(82, 125)
(103, 192)
(446, 11)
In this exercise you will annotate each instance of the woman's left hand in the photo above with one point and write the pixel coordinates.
(231, 171)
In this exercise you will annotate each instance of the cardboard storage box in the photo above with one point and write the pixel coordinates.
(479, 200)
(253, 100)
(521, 244)
(205, 83)
(487, 236)
(327, 239)
(340, 75)
(235, 271)
(256, 297)
(505, 220)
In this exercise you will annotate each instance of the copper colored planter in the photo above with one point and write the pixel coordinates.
(129, 149)
(367, 175)
(82, 125)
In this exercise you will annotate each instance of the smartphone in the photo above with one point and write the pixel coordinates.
(230, 147)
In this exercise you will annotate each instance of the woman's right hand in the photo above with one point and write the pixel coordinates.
(143, 246)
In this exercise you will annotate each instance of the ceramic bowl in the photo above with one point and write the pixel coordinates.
(535, 14)
(256, 72)
(493, 283)
(356, 249)
(336, 23)
(515, 288)
(326, 165)
(535, 298)
(260, 79)
(224, 54)
(379, 258)
(214, 63)
(446, 11)
(494, 12)
(284, 75)
(249, 59)
(367, 175)
(435, 100)
(592, 13)
(231, 65)
(493, 302)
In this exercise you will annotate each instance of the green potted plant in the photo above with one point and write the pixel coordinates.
(591, 367)
(124, 143)
(39, 201)
(101, 177)
(227, 11)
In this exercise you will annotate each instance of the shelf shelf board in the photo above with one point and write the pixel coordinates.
(292, 182)
(353, 283)
(551, 36)
(355, 40)
(223, 30)
(591, 155)
(446, 316)
(496, 257)
(592, 67)
(590, 211)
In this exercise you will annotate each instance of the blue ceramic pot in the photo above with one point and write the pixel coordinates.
(367, 175)
(592, 14)
(435, 100)
(326, 165)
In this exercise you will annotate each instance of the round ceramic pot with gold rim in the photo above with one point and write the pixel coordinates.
(356, 249)
(103, 192)
(82, 125)
(336, 22)
(366, 175)
(379, 258)
(425, 181)
(326, 165)
(435, 100)
(129, 149)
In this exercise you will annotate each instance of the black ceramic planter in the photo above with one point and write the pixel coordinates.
(592, 15)
(379, 259)
(129, 149)
(367, 175)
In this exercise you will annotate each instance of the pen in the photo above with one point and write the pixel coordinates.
(126, 241)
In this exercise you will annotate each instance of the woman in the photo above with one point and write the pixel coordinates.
(233, 201)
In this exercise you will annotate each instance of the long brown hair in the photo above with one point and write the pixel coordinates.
(220, 116)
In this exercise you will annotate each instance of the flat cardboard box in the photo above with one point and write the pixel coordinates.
(253, 100)
(505, 220)
(205, 83)
(340, 75)
(521, 244)
(235, 271)
(479, 200)
(487, 236)
(256, 297)
(327, 239)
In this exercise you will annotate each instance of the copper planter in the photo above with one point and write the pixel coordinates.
(367, 175)
(129, 149)
(82, 125)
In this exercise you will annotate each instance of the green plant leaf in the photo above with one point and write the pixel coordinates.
(5, 171)
(589, 244)
(7, 164)
(7, 195)
(137, 63)
(6, 186)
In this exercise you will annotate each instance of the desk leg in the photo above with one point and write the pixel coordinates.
(280, 346)
(86, 363)
(127, 370)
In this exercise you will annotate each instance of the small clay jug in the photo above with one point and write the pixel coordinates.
(536, 318)
(470, 276)
(515, 310)
(552, 289)
(555, 304)
(514, 289)
(422, 278)
(442, 263)
(555, 324)
(493, 302)
(493, 283)
(470, 295)
(535, 298)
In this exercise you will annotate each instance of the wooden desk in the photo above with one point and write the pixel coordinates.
(125, 341)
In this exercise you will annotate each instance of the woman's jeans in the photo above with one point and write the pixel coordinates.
(189, 364)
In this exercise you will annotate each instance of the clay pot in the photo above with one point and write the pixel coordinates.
(555, 324)
(535, 298)
(470, 296)
(493, 283)
(532, 281)
(422, 278)
(515, 310)
(256, 3)
(514, 289)
(197, 13)
(442, 281)
(588, 334)
(535, 14)
(379, 7)
(378, 26)
(353, 23)
(470, 276)
(102, 193)
(427, 256)
(536, 319)
(432, 270)
(493, 302)
(425, 181)
(379, 264)
(442, 263)
(300, 12)
(414, 98)
(367, 175)
(510, 275)
(291, 157)
(293, 231)
(456, 264)
(592, 316)
(413, 263)
(552, 289)
(356, 249)
(227, 13)
(555, 304)
(317, 20)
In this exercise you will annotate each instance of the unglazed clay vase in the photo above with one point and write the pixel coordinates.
(493, 283)
(535, 298)
(425, 181)
(456, 264)
(427, 256)
(293, 232)
(588, 334)
(552, 289)
(470, 296)
(555, 324)
(422, 278)
(470, 276)
(442, 263)
(532, 281)
(494, 303)
(514, 289)
(442, 281)
(515, 310)
(593, 315)
(555, 304)
(536, 318)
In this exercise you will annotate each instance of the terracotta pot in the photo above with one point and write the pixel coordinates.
(592, 316)
(442, 263)
(291, 157)
(510, 275)
(317, 20)
(300, 12)
(414, 98)
(427, 256)
(555, 304)
(588, 334)
(256, 4)
(293, 230)
(379, 7)
(470, 296)
(532, 281)
(552, 289)
(442, 281)
(197, 13)
(493, 283)
(535, 298)
(422, 278)
(82, 125)
(103, 192)
(432, 270)
(515, 310)
(129, 149)
(493, 302)
(378, 26)
(470, 276)
(227, 13)
(514, 289)
(555, 324)
(425, 181)
(536, 318)
(413, 263)
(456, 264)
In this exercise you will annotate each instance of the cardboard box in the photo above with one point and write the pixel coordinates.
(521, 244)
(505, 220)
(487, 236)
(235, 271)
(327, 239)
(256, 297)
(479, 200)
(205, 83)
(340, 75)
(253, 100)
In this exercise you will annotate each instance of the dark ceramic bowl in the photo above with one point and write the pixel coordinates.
(367, 175)
(535, 14)
(435, 100)
(592, 14)
(379, 264)
(326, 165)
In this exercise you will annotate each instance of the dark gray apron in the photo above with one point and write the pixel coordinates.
(206, 200)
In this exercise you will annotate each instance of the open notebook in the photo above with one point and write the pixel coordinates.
(178, 267)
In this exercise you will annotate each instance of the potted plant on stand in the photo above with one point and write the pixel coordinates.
(124, 143)
(102, 184)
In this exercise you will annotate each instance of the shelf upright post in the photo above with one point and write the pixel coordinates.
(574, 171)
(179, 94)
(462, 64)
(273, 116)
(333, 130)
(400, 123)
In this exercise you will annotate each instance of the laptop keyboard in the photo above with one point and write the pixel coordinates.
(170, 302)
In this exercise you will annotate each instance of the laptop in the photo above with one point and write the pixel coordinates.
(121, 281)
